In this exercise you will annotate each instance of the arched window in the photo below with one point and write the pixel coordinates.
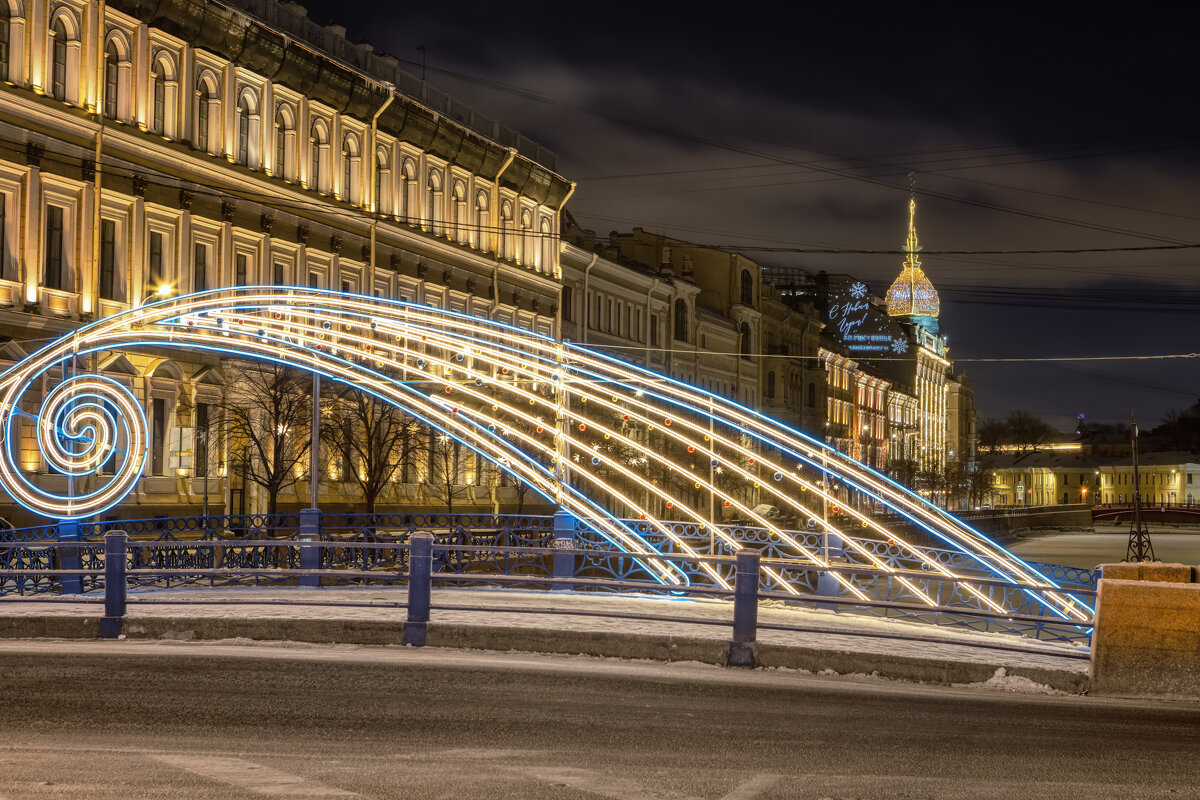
(58, 68)
(747, 288)
(319, 146)
(350, 168)
(744, 343)
(285, 143)
(112, 80)
(408, 210)
(246, 150)
(681, 320)
(546, 245)
(383, 182)
(524, 255)
(481, 221)
(458, 212)
(158, 118)
(433, 201)
(207, 113)
(507, 245)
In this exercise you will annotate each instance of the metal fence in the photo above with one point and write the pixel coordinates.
(527, 551)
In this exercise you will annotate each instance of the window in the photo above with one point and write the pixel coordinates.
(243, 131)
(206, 113)
(771, 385)
(284, 143)
(546, 247)
(280, 275)
(159, 119)
(110, 288)
(200, 268)
(812, 395)
(58, 72)
(319, 145)
(654, 330)
(200, 462)
(567, 303)
(112, 80)
(747, 288)
(382, 198)
(458, 212)
(506, 232)
(481, 221)
(681, 320)
(241, 266)
(408, 191)
(744, 340)
(525, 256)
(53, 277)
(4, 22)
(157, 278)
(433, 201)
(349, 168)
(158, 434)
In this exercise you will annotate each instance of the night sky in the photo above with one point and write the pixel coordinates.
(777, 132)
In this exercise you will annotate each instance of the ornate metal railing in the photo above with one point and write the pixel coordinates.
(517, 551)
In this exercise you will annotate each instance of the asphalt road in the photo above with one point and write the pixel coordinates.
(148, 720)
(1107, 545)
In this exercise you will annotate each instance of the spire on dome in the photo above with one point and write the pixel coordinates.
(912, 294)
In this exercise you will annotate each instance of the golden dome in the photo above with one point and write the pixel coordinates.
(912, 294)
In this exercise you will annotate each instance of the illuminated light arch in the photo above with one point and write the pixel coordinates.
(597, 436)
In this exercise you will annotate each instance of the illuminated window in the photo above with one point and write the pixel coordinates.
(481, 221)
(4, 23)
(207, 112)
(154, 262)
(58, 70)
(112, 80)
(200, 268)
(53, 277)
(285, 142)
(110, 284)
(159, 111)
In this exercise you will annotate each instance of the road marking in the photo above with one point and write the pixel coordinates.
(248, 775)
(753, 787)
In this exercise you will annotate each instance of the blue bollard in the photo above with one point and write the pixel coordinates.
(745, 609)
(115, 546)
(69, 558)
(420, 570)
(310, 554)
(564, 540)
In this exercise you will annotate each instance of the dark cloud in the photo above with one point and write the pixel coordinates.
(1055, 126)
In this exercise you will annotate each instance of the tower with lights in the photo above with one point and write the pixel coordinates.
(913, 301)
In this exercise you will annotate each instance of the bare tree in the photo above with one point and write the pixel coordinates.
(265, 412)
(993, 434)
(375, 440)
(1028, 432)
(444, 478)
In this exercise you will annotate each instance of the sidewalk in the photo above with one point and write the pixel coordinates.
(567, 622)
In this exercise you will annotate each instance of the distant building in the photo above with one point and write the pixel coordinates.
(1062, 476)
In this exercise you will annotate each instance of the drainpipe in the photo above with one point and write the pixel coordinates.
(587, 300)
(92, 303)
(374, 162)
(512, 154)
(558, 228)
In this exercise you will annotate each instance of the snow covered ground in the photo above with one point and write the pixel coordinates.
(587, 612)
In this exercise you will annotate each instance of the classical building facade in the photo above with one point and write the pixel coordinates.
(169, 147)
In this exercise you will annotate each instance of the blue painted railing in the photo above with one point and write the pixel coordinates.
(522, 551)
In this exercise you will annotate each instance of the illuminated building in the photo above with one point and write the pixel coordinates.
(1060, 475)
(188, 145)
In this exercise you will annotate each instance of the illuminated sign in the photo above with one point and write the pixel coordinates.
(859, 324)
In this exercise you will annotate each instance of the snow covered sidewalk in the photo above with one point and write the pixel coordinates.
(628, 626)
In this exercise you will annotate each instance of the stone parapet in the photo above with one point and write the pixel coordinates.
(1147, 637)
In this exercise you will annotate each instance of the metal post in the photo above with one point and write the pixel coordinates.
(1139, 547)
(69, 557)
(564, 541)
(115, 546)
(420, 570)
(827, 583)
(310, 554)
(314, 446)
(745, 609)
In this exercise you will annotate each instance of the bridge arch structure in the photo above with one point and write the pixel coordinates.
(621, 448)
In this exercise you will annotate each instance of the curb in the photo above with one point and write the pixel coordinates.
(651, 647)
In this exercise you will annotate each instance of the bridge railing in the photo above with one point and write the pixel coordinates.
(123, 563)
(520, 550)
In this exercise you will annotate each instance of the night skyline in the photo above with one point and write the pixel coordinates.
(778, 135)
